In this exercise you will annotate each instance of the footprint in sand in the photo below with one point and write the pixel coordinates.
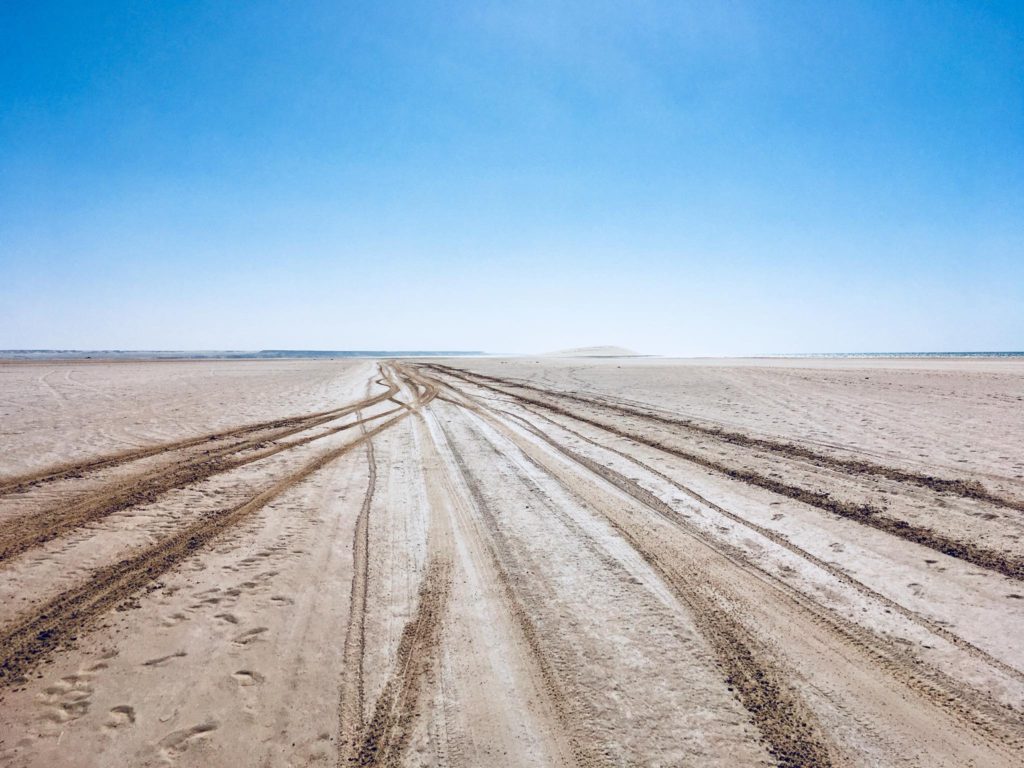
(249, 636)
(67, 699)
(120, 716)
(176, 742)
(247, 677)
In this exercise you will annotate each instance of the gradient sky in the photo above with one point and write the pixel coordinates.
(680, 178)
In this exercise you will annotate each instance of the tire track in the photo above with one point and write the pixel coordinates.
(975, 712)
(789, 728)
(865, 514)
(740, 649)
(56, 623)
(60, 397)
(350, 708)
(775, 538)
(19, 534)
(484, 551)
(387, 733)
(382, 740)
(582, 754)
(385, 736)
(78, 469)
(424, 387)
(968, 489)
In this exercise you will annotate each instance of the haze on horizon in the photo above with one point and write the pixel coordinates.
(675, 178)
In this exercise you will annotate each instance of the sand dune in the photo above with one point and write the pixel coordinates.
(512, 562)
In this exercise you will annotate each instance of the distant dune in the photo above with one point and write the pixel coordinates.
(595, 352)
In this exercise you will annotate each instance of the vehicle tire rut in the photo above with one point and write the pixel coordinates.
(26, 641)
(865, 514)
(350, 720)
(78, 469)
(22, 533)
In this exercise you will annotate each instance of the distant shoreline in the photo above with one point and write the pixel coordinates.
(883, 355)
(47, 355)
(266, 354)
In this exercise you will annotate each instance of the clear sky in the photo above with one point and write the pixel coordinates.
(680, 178)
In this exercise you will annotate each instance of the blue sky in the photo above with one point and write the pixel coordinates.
(680, 178)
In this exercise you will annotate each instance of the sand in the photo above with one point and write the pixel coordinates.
(477, 562)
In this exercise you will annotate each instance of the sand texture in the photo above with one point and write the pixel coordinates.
(578, 561)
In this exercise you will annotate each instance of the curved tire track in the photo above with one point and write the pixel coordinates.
(19, 534)
(386, 735)
(968, 489)
(777, 539)
(350, 708)
(865, 514)
(789, 728)
(25, 642)
(747, 661)
(77, 469)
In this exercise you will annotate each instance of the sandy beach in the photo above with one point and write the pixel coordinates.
(512, 562)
